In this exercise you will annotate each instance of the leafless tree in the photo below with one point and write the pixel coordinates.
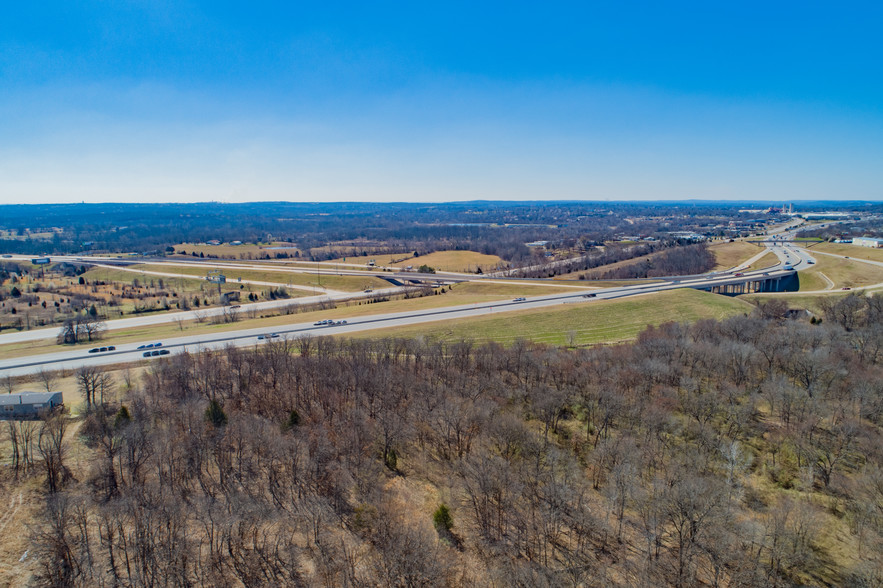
(48, 378)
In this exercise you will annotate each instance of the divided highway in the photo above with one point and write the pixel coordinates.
(791, 259)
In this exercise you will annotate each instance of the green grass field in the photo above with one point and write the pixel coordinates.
(583, 323)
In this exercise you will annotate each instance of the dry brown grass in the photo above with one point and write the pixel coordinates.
(227, 251)
(849, 250)
(454, 261)
(727, 255)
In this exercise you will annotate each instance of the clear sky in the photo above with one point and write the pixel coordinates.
(157, 100)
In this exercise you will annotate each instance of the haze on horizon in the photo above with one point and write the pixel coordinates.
(158, 102)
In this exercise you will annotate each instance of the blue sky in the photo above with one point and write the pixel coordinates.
(177, 101)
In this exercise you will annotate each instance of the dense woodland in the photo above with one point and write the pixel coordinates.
(738, 453)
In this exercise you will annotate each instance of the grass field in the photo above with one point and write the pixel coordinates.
(727, 255)
(767, 260)
(453, 261)
(333, 282)
(189, 285)
(843, 272)
(233, 251)
(497, 289)
(583, 323)
(848, 250)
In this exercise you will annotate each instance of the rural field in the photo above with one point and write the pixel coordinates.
(583, 323)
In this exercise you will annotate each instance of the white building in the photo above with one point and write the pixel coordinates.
(867, 242)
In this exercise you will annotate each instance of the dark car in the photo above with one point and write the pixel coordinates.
(155, 352)
(142, 347)
(589, 295)
(146, 354)
(93, 350)
(163, 352)
(111, 348)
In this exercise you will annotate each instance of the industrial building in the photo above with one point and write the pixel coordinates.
(867, 242)
(29, 405)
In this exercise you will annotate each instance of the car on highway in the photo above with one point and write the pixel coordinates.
(156, 353)
(589, 295)
(738, 274)
(102, 349)
(810, 262)
(261, 337)
(6, 256)
(274, 335)
(340, 323)
(519, 299)
(846, 288)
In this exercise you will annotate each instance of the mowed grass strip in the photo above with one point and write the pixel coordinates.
(333, 282)
(584, 323)
(515, 289)
(768, 260)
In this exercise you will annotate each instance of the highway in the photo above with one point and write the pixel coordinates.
(71, 359)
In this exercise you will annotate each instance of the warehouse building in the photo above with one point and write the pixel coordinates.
(867, 242)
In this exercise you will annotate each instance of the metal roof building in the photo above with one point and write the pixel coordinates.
(867, 242)
(29, 405)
